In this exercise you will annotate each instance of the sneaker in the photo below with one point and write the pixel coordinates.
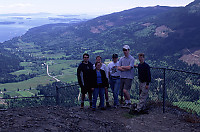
(127, 105)
(93, 109)
(82, 105)
(107, 104)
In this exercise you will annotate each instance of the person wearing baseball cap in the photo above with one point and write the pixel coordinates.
(126, 66)
(114, 78)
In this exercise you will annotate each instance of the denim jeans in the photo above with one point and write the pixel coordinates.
(101, 93)
(115, 85)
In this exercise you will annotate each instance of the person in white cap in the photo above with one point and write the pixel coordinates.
(126, 66)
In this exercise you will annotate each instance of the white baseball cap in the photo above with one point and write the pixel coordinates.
(126, 47)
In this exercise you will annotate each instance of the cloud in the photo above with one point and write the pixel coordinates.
(18, 5)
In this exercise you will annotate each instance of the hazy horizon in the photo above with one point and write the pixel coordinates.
(90, 7)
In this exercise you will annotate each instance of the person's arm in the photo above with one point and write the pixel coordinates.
(126, 68)
(104, 79)
(148, 77)
(79, 76)
(106, 71)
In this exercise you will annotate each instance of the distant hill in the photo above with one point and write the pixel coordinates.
(16, 24)
(164, 34)
(9, 62)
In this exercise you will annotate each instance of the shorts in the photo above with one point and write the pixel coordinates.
(85, 90)
(126, 83)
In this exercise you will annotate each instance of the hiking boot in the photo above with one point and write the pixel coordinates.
(82, 105)
(127, 105)
(134, 106)
(107, 104)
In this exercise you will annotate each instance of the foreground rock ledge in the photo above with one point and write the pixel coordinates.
(56, 118)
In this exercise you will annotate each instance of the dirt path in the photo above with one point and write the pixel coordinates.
(54, 77)
(40, 119)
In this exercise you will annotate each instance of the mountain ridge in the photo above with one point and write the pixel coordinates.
(151, 30)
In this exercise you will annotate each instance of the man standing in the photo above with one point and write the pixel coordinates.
(103, 67)
(84, 75)
(114, 78)
(144, 76)
(126, 66)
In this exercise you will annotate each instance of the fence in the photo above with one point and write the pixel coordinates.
(169, 86)
(172, 87)
(53, 95)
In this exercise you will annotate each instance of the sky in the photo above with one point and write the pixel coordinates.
(81, 6)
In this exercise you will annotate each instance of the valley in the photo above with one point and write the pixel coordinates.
(153, 31)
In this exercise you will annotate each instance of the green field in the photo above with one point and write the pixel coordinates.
(26, 72)
(64, 70)
(25, 93)
(42, 80)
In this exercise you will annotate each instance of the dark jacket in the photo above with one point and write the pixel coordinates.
(84, 74)
(103, 77)
(144, 74)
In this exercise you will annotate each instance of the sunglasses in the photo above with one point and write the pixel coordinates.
(125, 49)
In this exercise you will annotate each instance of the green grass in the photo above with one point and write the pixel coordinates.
(25, 93)
(63, 70)
(196, 87)
(60, 68)
(13, 94)
(33, 83)
(26, 64)
(34, 91)
(189, 106)
(26, 72)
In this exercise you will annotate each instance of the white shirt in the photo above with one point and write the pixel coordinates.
(112, 69)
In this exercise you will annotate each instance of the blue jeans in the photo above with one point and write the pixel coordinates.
(101, 93)
(115, 85)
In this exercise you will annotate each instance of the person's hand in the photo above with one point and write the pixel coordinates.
(147, 86)
(92, 89)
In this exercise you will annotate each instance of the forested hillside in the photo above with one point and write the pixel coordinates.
(9, 62)
(169, 36)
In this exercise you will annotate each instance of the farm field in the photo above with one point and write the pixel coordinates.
(64, 70)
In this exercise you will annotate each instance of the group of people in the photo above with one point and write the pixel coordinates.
(95, 80)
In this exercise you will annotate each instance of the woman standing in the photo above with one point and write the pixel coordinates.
(99, 83)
